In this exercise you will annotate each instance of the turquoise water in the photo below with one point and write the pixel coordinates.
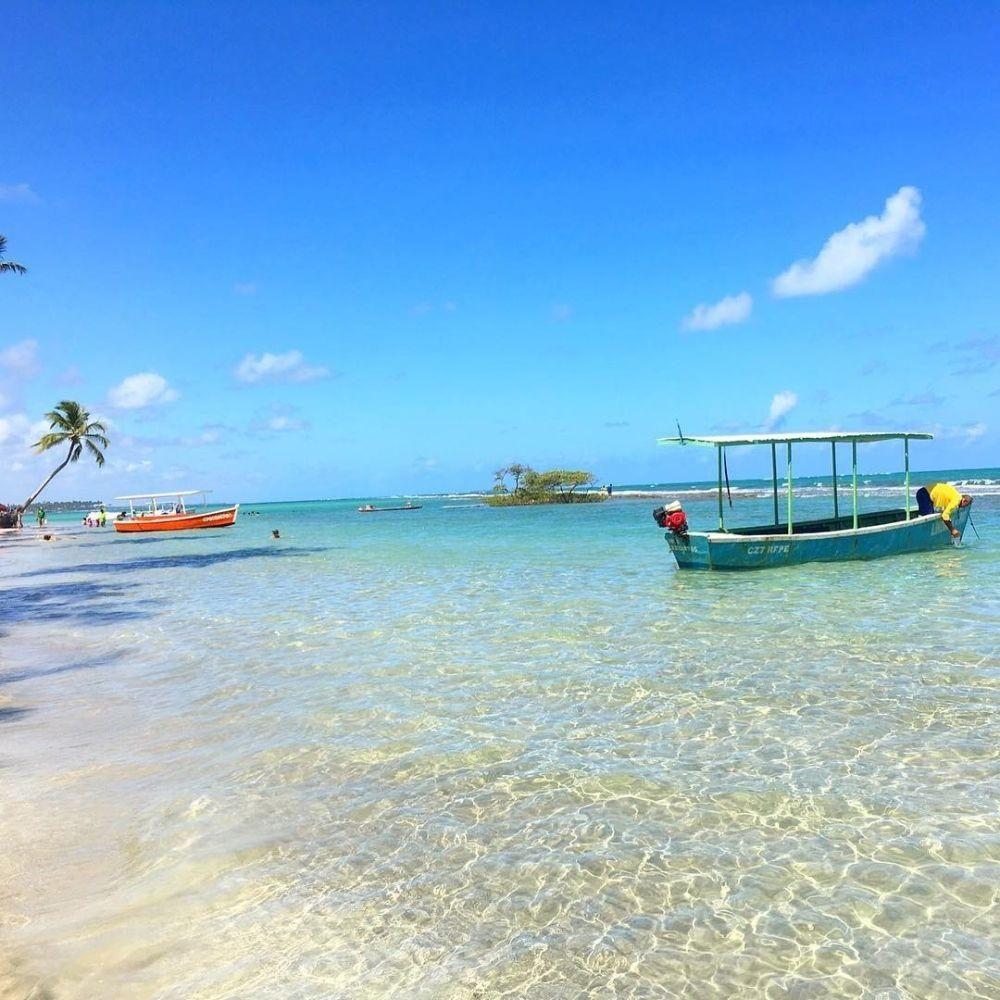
(478, 753)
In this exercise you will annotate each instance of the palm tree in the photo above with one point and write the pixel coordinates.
(9, 265)
(70, 422)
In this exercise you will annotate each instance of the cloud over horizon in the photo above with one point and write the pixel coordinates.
(141, 390)
(782, 403)
(725, 312)
(288, 367)
(850, 254)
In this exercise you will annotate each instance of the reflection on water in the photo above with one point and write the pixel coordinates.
(481, 753)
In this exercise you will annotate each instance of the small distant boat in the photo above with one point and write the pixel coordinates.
(173, 516)
(369, 509)
(868, 535)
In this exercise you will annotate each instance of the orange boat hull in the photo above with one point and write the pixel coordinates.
(179, 522)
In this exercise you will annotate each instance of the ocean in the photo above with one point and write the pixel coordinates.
(471, 753)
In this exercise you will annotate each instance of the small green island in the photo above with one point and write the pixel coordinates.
(530, 487)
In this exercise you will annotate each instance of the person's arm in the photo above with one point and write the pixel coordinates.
(946, 516)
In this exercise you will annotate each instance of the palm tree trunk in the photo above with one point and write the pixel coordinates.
(27, 503)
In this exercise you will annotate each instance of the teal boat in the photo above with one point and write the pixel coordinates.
(789, 542)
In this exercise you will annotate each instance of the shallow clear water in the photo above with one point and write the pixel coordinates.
(473, 753)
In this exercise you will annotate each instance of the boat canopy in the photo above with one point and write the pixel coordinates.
(803, 437)
(723, 441)
(168, 493)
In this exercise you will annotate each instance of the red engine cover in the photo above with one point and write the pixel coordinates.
(677, 522)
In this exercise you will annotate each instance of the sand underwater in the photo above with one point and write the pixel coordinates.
(472, 753)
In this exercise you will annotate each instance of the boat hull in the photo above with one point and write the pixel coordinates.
(734, 551)
(223, 518)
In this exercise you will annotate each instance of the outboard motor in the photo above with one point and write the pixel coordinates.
(672, 517)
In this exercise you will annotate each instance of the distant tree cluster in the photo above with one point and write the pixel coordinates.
(530, 487)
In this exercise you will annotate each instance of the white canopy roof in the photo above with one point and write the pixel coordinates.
(803, 437)
(168, 493)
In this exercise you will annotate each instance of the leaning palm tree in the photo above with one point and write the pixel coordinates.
(9, 265)
(71, 423)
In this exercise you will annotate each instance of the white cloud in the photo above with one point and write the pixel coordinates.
(13, 426)
(18, 193)
(850, 254)
(962, 433)
(731, 309)
(283, 423)
(245, 288)
(781, 405)
(21, 359)
(20, 430)
(141, 390)
(123, 465)
(974, 431)
(561, 312)
(288, 367)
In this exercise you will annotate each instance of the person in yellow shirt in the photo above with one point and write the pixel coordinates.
(946, 499)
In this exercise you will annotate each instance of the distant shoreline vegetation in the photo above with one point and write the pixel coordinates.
(63, 505)
(531, 487)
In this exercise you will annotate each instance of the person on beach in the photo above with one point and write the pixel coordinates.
(945, 498)
(40, 514)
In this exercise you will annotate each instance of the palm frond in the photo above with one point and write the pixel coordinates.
(75, 451)
(47, 441)
(98, 438)
(9, 265)
(71, 408)
(96, 452)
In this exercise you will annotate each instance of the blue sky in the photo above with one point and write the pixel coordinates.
(318, 249)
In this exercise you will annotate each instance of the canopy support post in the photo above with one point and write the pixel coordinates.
(774, 480)
(906, 466)
(789, 487)
(836, 508)
(854, 480)
(722, 526)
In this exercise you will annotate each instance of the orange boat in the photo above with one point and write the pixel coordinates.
(172, 516)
